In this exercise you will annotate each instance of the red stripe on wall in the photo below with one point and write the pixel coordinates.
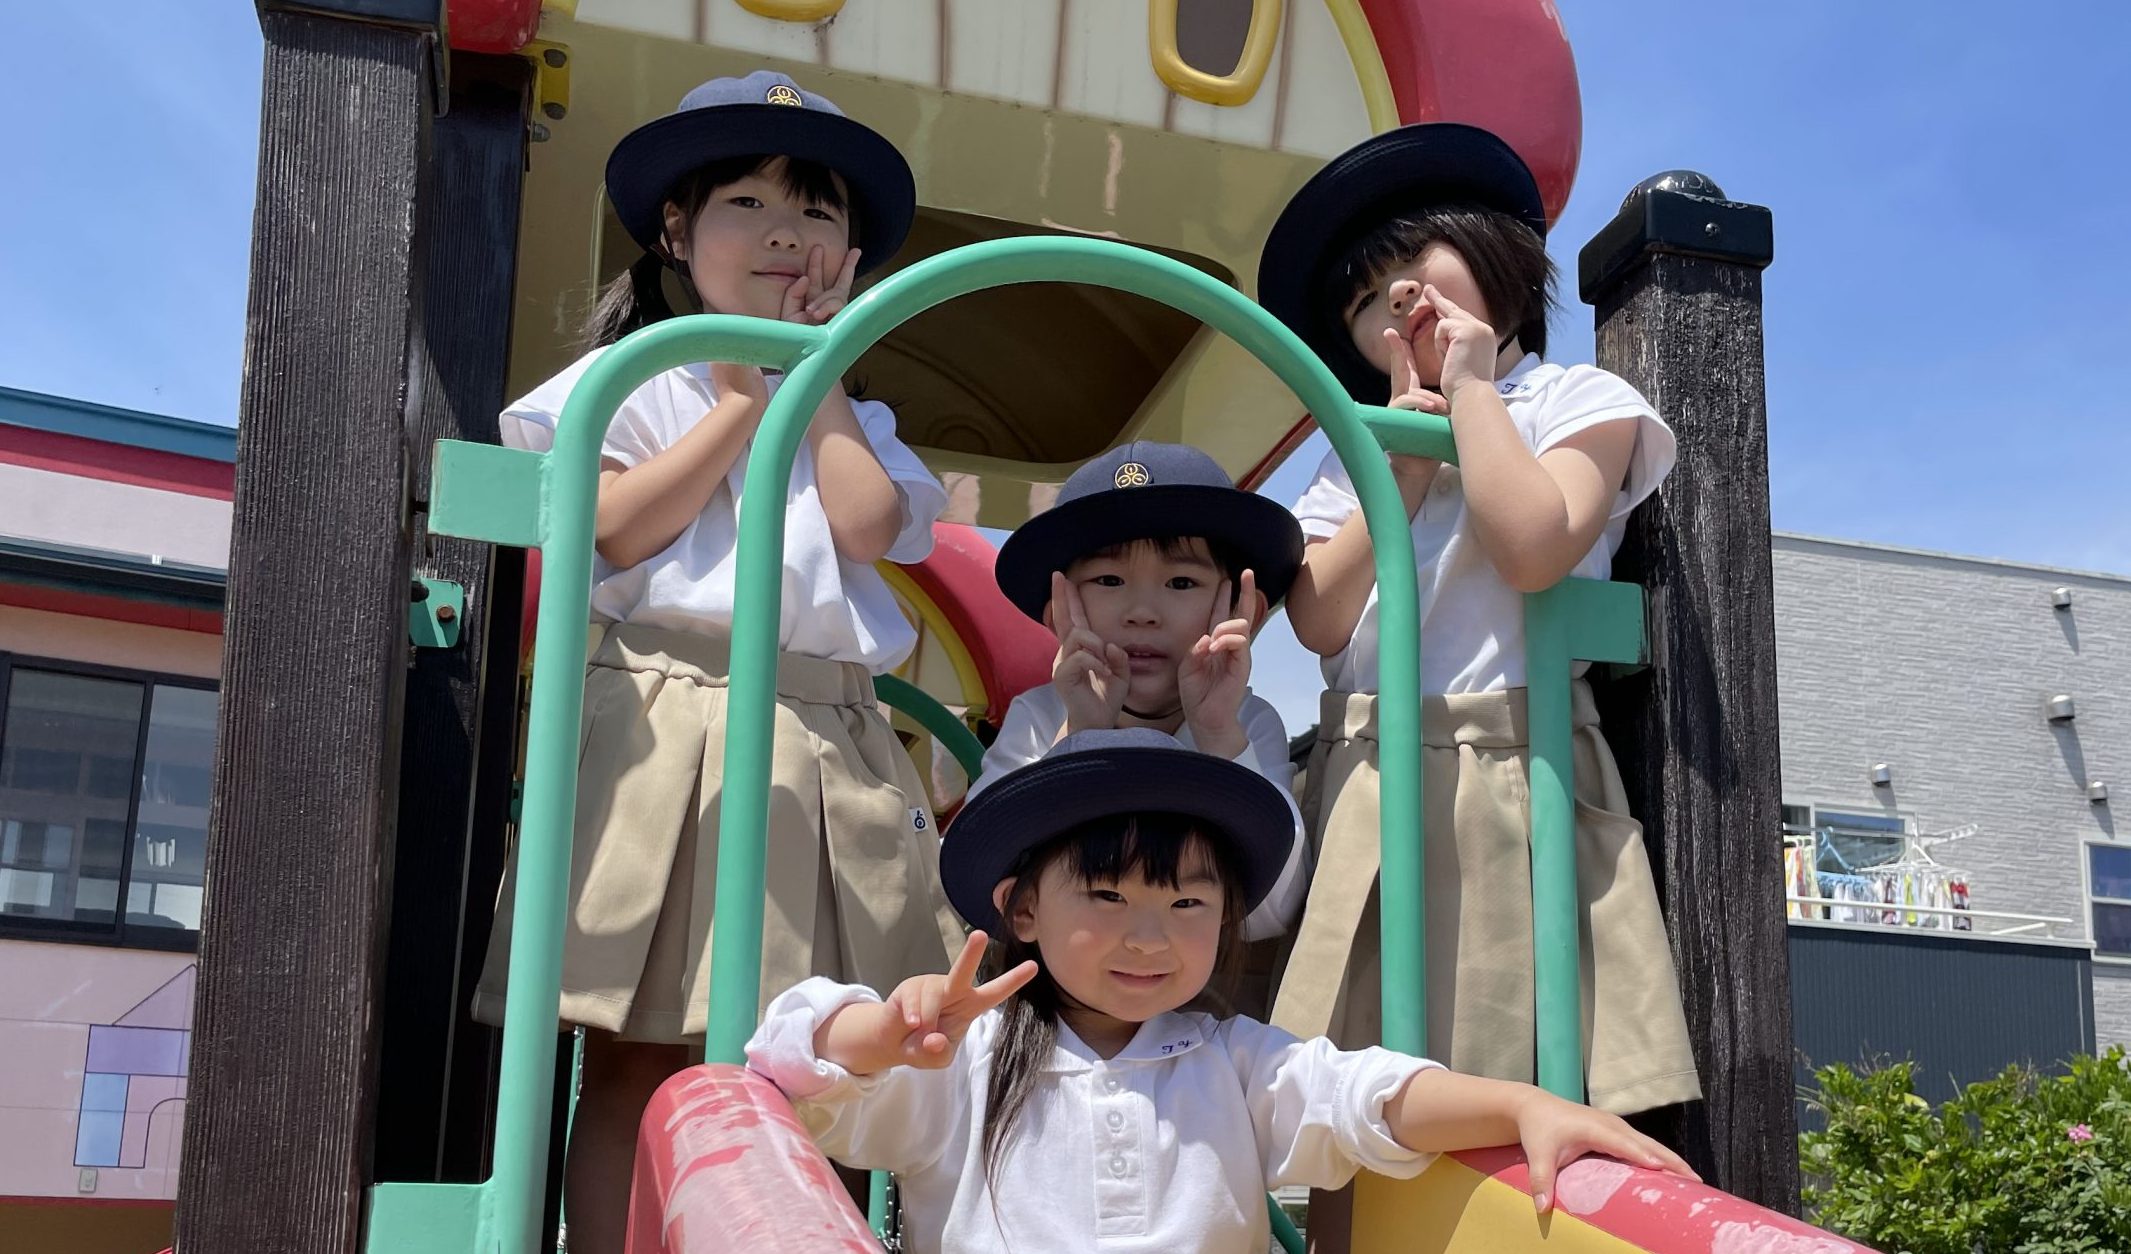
(116, 463)
(114, 609)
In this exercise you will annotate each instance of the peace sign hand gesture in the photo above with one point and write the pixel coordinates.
(1091, 675)
(1215, 676)
(928, 1015)
(821, 293)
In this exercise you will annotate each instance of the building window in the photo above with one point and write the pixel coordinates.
(1849, 839)
(105, 778)
(2109, 888)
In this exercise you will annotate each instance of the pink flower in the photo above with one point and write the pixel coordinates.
(2079, 1132)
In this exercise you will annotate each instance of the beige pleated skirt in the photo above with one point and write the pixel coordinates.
(852, 869)
(1477, 860)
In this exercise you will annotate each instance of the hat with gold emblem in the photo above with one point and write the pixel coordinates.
(763, 113)
(1148, 491)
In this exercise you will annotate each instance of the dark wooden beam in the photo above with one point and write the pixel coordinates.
(300, 839)
(456, 755)
(1676, 281)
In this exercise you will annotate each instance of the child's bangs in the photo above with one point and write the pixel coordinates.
(810, 181)
(1160, 848)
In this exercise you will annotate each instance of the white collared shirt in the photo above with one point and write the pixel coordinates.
(834, 609)
(1472, 621)
(1034, 719)
(1166, 1148)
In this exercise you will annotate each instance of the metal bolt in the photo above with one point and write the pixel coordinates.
(554, 110)
(445, 613)
(1710, 229)
(555, 57)
(540, 133)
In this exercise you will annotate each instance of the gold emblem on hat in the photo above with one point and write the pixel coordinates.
(781, 94)
(1132, 475)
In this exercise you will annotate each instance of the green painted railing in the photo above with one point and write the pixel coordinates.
(547, 500)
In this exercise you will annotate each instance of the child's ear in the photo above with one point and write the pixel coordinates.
(676, 231)
(1023, 922)
(1258, 610)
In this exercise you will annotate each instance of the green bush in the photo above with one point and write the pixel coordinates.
(2020, 1164)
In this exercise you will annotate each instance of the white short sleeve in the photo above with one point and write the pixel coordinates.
(1026, 734)
(1318, 1111)
(1584, 397)
(1267, 754)
(923, 497)
(635, 436)
(898, 1120)
(1329, 500)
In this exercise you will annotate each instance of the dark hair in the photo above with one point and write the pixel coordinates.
(1227, 558)
(635, 298)
(1103, 851)
(1507, 258)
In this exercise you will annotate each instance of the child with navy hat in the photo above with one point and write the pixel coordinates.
(1071, 1102)
(1415, 264)
(760, 198)
(1153, 569)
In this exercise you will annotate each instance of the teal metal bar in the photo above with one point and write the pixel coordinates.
(899, 693)
(1575, 620)
(879, 1214)
(1284, 1234)
(736, 922)
(1557, 983)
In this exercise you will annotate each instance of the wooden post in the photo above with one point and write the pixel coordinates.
(1676, 281)
(300, 839)
(456, 762)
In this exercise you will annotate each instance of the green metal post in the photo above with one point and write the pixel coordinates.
(1556, 976)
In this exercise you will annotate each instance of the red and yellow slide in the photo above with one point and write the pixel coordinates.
(722, 1163)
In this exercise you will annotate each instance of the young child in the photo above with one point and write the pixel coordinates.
(1067, 1104)
(1153, 569)
(1415, 265)
(766, 201)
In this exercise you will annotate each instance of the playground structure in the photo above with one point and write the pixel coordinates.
(424, 753)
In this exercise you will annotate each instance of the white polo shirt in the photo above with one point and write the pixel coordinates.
(1472, 621)
(834, 609)
(1032, 723)
(1170, 1146)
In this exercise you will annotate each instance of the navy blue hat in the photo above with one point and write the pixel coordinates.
(763, 113)
(1400, 171)
(1099, 774)
(1140, 491)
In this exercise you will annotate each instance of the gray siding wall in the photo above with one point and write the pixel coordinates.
(1940, 667)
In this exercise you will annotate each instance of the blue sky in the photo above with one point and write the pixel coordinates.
(1949, 335)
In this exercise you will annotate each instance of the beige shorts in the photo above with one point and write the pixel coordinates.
(852, 872)
(1477, 858)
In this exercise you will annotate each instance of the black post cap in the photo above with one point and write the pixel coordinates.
(1681, 212)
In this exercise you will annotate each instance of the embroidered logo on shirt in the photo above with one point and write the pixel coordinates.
(918, 822)
(1186, 1043)
(781, 94)
(1132, 475)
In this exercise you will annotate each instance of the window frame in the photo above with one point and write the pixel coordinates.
(118, 934)
(2086, 881)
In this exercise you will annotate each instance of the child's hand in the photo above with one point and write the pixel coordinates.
(1466, 344)
(736, 380)
(1556, 1133)
(928, 1015)
(1407, 390)
(820, 293)
(1213, 678)
(1091, 675)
